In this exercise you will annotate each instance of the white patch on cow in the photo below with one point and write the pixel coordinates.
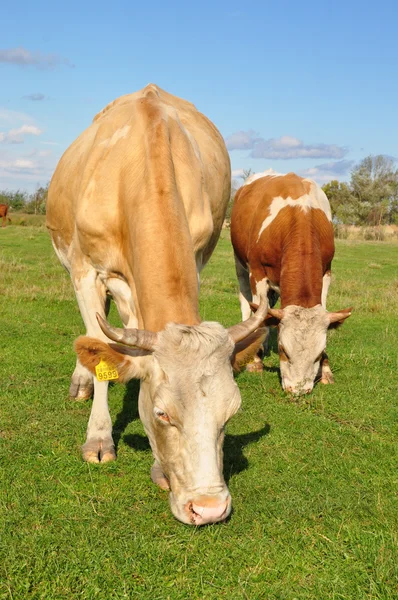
(262, 288)
(118, 135)
(316, 199)
(325, 287)
(267, 173)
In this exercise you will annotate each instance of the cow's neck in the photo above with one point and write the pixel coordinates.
(301, 275)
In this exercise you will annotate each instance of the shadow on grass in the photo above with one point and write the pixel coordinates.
(234, 459)
(128, 413)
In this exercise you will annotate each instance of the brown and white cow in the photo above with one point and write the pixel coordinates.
(282, 234)
(135, 209)
(3, 214)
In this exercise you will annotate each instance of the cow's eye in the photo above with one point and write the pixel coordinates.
(161, 415)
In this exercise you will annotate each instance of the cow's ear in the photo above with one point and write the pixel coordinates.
(245, 350)
(129, 363)
(337, 318)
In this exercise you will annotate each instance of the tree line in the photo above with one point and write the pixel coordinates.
(370, 197)
(22, 201)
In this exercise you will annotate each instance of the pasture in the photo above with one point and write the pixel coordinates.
(313, 481)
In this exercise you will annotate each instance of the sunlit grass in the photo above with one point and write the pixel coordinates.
(313, 480)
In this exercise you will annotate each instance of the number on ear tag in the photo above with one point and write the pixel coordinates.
(105, 371)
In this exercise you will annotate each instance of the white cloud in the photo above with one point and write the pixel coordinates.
(34, 167)
(327, 171)
(17, 136)
(12, 117)
(283, 148)
(237, 173)
(25, 58)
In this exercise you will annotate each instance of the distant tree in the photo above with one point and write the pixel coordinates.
(374, 184)
(246, 173)
(235, 185)
(16, 200)
(37, 201)
(371, 196)
(342, 202)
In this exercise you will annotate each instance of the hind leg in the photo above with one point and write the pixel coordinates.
(245, 293)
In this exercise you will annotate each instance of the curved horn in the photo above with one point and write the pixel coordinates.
(241, 330)
(141, 338)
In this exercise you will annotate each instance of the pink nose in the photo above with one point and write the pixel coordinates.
(207, 510)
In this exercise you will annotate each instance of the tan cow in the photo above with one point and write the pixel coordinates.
(282, 234)
(3, 214)
(134, 209)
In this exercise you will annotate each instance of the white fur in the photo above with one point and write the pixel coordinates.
(266, 173)
(118, 135)
(316, 199)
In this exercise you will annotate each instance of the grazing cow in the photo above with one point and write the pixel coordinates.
(282, 234)
(135, 209)
(3, 214)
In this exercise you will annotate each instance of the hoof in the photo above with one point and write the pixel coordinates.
(327, 379)
(159, 477)
(255, 367)
(96, 451)
(81, 392)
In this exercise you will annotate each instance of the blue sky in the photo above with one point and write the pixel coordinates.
(306, 86)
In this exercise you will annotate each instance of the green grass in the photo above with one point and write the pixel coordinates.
(313, 481)
(26, 220)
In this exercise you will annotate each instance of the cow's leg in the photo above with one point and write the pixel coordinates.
(261, 288)
(91, 297)
(4, 221)
(82, 383)
(325, 287)
(245, 293)
(326, 372)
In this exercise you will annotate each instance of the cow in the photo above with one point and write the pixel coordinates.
(135, 208)
(3, 214)
(282, 235)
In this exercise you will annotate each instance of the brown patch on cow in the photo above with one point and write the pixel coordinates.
(286, 186)
(294, 251)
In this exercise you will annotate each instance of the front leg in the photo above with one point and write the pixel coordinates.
(325, 370)
(91, 297)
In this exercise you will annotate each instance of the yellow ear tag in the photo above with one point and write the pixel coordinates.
(105, 371)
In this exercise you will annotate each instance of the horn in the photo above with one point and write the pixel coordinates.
(141, 338)
(241, 330)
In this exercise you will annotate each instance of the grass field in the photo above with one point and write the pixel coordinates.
(313, 481)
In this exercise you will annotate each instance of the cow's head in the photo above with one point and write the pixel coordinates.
(302, 342)
(187, 395)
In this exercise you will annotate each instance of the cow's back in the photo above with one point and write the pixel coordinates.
(102, 179)
(274, 212)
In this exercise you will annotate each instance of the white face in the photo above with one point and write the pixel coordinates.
(301, 340)
(184, 406)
